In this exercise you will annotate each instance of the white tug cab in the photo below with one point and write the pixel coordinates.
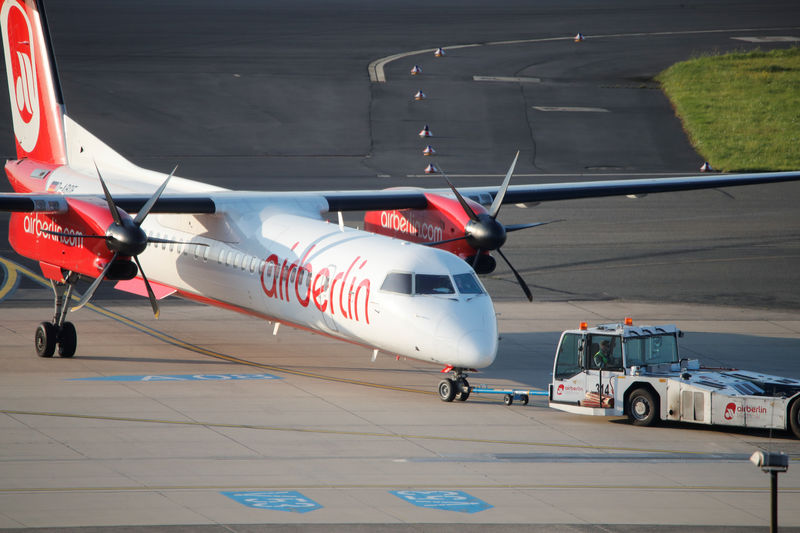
(622, 369)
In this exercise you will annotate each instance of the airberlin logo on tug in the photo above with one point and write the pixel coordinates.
(561, 389)
(22, 84)
(731, 409)
(330, 292)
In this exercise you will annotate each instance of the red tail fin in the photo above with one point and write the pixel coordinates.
(36, 103)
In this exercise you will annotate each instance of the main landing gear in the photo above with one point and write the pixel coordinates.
(58, 333)
(455, 388)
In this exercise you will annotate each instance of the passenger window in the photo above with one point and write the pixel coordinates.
(206, 252)
(399, 282)
(467, 284)
(253, 265)
(432, 284)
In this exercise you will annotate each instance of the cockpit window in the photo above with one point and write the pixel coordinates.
(399, 282)
(467, 284)
(433, 284)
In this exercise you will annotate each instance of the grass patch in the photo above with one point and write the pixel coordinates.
(740, 110)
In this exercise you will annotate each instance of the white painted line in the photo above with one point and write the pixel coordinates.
(767, 39)
(376, 74)
(512, 79)
(571, 109)
(375, 68)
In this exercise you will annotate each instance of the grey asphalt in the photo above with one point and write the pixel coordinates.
(276, 96)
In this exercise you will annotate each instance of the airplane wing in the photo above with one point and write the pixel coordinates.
(415, 198)
(407, 198)
(56, 203)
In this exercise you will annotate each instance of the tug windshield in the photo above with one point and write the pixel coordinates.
(652, 350)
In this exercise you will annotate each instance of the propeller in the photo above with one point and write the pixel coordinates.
(484, 232)
(126, 238)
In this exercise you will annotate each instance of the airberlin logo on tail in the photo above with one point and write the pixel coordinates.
(344, 294)
(18, 46)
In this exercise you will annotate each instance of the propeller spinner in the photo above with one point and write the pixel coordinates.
(484, 232)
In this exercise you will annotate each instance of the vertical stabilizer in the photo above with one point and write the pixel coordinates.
(37, 107)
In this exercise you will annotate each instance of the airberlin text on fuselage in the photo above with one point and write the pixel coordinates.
(33, 225)
(331, 292)
(409, 225)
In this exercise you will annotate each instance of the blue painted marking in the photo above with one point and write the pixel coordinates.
(446, 500)
(180, 377)
(275, 500)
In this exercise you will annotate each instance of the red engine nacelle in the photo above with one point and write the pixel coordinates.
(443, 219)
(28, 236)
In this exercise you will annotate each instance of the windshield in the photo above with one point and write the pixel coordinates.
(410, 283)
(651, 350)
(468, 283)
(399, 282)
(432, 284)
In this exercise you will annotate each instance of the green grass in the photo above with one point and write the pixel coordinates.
(741, 110)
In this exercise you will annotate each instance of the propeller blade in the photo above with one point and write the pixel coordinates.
(477, 258)
(140, 216)
(150, 294)
(517, 227)
(443, 242)
(167, 241)
(498, 200)
(467, 209)
(93, 287)
(110, 201)
(521, 281)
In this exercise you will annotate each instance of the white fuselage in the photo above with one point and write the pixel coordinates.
(284, 263)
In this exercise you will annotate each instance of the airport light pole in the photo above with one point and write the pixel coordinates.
(772, 463)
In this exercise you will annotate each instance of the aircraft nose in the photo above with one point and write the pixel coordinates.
(477, 348)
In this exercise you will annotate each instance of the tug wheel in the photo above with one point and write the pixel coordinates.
(794, 418)
(642, 408)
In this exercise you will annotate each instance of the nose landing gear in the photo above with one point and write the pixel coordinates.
(455, 388)
(58, 333)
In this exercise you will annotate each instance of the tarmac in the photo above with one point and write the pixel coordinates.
(153, 424)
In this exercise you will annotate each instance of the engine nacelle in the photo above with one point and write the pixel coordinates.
(28, 235)
(443, 219)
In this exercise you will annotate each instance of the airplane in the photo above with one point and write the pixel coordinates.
(406, 285)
